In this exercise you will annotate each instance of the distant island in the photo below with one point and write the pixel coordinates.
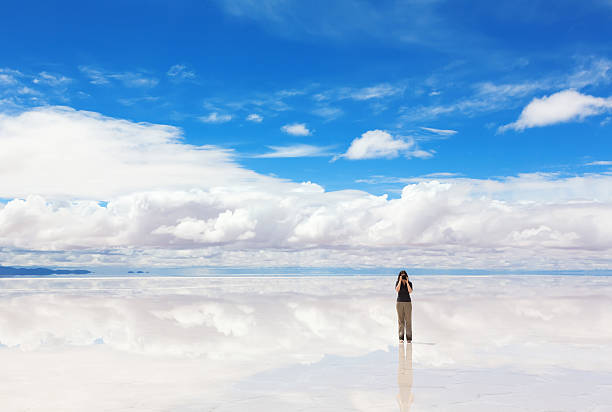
(13, 271)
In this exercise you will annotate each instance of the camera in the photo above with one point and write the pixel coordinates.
(404, 277)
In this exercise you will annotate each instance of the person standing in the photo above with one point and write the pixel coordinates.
(403, 286)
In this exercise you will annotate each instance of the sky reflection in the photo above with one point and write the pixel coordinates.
(315, 343)
(404, 377)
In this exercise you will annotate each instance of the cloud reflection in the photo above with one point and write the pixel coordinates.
(404, 377)
(134, 337)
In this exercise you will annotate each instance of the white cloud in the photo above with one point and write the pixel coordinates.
(134, 100)
(6, 79)
(600, 163)
(565, 106)
(421, 154)
(417, 22)
(442, 132)
(129, 79)
(486, 98)
(509, 89)
(298, 150)
(255, 118)
(175, 204)
(593, 72)
(328, 112)
(380, 144)
(85, 155)
(215, 117)
(50, 79)
(95, 76)
(527, 222)
(290, 92)
(228, 226)
(375, 92)
(258, 102)
(180, 72)
(490, 97)
(9, 76)
(27, 90)
(442, 174)
(296, 129)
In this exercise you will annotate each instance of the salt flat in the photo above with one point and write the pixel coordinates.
(504, 343)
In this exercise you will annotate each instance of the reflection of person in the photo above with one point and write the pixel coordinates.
(403, 286)
(404, 378)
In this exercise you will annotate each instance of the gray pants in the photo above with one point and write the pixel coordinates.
(404, 319)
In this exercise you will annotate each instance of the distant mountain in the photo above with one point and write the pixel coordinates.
(12, 271)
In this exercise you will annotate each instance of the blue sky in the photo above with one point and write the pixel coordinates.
(435, 89)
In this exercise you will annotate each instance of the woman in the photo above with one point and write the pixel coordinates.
(404, 306)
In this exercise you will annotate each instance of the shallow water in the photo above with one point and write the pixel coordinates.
(504, 343)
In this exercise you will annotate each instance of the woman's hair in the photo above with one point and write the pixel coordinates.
(403, 272)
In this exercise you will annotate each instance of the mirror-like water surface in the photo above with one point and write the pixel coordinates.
(528, 343)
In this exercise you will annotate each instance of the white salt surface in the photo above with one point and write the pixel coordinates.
(512, 343)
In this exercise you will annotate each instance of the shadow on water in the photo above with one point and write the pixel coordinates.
(404, 377)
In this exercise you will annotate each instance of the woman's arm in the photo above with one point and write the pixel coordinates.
(409, 288)
(398, 286)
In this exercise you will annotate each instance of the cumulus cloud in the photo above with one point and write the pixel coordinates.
(565, 106)
(432, 225)
(255, 118)
(296, 129)
(380, 144)
(215, 117)
(228, 226)
(167, 203)
(61, 152)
